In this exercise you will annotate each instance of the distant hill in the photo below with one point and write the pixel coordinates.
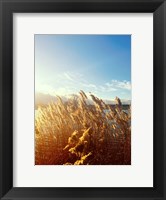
(124, 102)
(44, 99)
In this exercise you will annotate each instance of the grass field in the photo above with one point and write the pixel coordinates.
(77, 133)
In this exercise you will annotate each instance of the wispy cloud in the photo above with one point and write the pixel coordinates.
(69, 83)
(119, 84)
(68, 76)
(89, 85)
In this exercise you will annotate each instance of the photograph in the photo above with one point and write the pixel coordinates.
(83, 96)
(83, 100)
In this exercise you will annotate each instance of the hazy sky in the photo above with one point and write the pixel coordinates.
(100, 64)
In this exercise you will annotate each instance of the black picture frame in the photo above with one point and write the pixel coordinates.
(7, 8)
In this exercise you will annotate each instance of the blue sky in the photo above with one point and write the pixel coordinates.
(100, 64)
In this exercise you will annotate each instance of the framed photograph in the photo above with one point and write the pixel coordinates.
(82, 99)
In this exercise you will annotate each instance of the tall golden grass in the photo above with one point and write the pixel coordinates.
(76, 133)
